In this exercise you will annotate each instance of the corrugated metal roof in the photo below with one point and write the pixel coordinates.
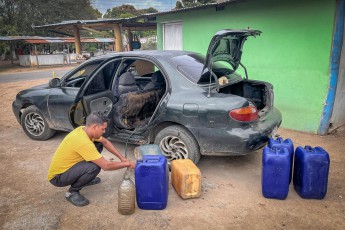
(135, 19)
(43, 40)
(36, 41)
(87, 22)
(188, 9)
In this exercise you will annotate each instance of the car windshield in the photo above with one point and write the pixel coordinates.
(191, 65)
(84, 71)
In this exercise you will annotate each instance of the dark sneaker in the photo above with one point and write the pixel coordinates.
(97, 180)
(77, 199)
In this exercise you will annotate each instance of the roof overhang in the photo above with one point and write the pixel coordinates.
(142, 22)
(98, 26)
(217, 6)
(45, 40)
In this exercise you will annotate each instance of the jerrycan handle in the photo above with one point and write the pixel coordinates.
(152, 160)
(280, 139)
(308, 148)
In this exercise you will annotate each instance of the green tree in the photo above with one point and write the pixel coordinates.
(178, 5)
(124, 11)
(147, 11)
(127, 11)
(18, 16)
(190, 3)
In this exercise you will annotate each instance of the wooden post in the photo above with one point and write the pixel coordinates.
(38, 65)
(130, 39)
(77, 40)
(11, 50)
(118, 38)
(68, 54)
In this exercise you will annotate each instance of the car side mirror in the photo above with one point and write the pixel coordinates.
(54, 83)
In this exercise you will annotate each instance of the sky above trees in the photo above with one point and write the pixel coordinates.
(160, 5)
(18, 17)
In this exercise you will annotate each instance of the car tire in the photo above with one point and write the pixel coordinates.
(177, 142)
(34, 124)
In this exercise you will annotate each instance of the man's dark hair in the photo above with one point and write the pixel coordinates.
(96, 118)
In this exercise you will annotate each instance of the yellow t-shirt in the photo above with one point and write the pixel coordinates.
(75, 147)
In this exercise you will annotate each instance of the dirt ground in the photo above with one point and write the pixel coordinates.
(231, 189)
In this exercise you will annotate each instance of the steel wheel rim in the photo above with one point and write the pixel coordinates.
(34, 124)
(173, 148)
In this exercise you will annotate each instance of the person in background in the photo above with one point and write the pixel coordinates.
(77, 162)
(19, 50)
(65, 55)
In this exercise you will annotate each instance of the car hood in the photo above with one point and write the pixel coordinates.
(226, 45)
(35, 88)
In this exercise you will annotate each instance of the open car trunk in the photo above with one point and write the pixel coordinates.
(259, 93)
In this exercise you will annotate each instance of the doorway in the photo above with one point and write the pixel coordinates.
(172, 36)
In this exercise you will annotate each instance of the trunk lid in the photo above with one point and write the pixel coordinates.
(226, 45)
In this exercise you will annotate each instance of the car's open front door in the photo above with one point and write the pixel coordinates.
(97, 95)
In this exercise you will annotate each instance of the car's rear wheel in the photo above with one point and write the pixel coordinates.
(178, 143)
(34, 124)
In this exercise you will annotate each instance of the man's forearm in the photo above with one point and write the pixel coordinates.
(111, 148)
(116, 165)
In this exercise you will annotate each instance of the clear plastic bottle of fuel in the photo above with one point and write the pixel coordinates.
(126, 203)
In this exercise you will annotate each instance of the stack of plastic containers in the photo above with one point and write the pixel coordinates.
(281, 143)
(311, 172)
(276, 166)
(152, 182)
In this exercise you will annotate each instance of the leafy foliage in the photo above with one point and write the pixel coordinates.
(18, 16)
(127, 11)
(190, 3)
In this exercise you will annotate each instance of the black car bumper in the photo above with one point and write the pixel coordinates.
(238, 141)
(16, 111)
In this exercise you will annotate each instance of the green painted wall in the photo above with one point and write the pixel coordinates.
(293, 52)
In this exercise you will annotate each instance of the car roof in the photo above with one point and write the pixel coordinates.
(142, 53)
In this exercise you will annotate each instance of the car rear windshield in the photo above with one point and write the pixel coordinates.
(191, 65)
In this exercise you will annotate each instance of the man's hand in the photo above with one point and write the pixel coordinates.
(132, 165)
(111, 165)
(124, 160)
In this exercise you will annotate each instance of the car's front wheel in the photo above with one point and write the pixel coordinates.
(178, 143)
(34, 124)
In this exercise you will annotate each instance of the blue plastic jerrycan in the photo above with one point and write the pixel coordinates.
(311, 168)
(281, 143)
(276, 168)
(152, 182)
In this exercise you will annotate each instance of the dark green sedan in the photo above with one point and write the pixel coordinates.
(187, 103)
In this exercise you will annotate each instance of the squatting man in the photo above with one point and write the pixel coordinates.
(78, 161)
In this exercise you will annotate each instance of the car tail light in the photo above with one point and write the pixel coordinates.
(249, 113)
